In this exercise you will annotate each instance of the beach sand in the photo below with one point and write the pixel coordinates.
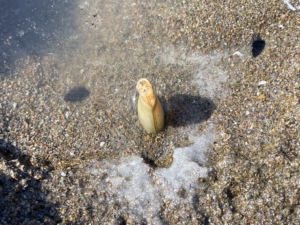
(72, 148)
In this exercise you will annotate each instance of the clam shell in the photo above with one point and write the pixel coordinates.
(150, 111)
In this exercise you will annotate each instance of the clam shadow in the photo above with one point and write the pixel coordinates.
(22, 200)
(184, 110)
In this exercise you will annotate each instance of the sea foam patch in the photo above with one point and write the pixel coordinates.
(141, 192)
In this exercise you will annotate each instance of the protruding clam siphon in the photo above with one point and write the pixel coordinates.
(150, 111)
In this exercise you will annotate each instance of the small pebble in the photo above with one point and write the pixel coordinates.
(102, 144)
(67, 114)
(238, 53)
(63, 174)
(263, 82)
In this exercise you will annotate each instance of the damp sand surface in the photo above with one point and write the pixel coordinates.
(73, 151)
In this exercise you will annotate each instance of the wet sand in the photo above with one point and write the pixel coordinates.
(73, 151)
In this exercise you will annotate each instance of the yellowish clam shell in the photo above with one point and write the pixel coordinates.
(150, 111)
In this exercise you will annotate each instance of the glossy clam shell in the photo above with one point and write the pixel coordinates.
(150, 111)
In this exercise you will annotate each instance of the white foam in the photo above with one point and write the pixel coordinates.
(130, 185)
(141, 193)
(189, 164)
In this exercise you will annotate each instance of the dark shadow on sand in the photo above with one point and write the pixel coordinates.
(77, 94)
(184, 110)
(22, 200)
(258, 45)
